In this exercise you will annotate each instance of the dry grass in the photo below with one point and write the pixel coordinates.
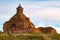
(29, 36)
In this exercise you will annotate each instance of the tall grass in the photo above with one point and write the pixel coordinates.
(29, 36)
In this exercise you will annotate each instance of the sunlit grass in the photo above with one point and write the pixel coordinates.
(29, 36)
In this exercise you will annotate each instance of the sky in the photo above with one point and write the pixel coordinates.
(42, 13)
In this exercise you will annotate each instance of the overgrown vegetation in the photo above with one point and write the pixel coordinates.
(29, 36)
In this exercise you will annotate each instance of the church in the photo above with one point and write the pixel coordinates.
(19, 23)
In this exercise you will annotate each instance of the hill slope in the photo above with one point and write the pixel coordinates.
(29, 36)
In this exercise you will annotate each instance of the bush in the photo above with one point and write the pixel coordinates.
(1, 32)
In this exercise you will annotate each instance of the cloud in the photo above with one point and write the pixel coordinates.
(44, 11)
(41, 0)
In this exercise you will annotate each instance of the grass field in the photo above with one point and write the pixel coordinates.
(29, 36)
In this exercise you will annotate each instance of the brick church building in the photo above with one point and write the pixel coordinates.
(19, 23)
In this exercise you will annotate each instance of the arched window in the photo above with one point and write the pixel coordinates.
(14, 18)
